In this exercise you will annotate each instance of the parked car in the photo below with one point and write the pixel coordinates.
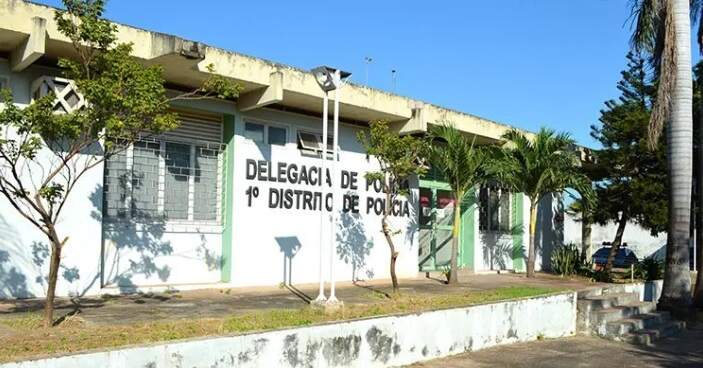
(624, 258)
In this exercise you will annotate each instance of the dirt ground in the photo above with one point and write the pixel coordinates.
(127, 309)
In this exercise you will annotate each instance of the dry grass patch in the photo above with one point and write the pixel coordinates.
(28, 338)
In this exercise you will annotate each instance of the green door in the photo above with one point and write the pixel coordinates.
(436, 219)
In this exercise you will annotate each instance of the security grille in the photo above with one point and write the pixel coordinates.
(168, 177)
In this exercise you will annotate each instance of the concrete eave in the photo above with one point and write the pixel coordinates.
(265, 83)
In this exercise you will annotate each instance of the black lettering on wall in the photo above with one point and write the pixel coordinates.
(281, 173)
(251, 169)
(293, 173)
(353, 182)
(262, 170)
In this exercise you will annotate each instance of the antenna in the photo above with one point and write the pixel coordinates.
(368, 60)
(393, 78)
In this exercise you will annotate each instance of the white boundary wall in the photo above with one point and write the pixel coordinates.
(374, 342)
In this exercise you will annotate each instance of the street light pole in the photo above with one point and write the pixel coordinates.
(323, 198)
(329, 79)
(335, 198)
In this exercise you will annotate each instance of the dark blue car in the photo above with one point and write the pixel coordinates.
(624, 258)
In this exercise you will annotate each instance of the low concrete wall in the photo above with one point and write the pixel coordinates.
(373, 342)
(649, 291)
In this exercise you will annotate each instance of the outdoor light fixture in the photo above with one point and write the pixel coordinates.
(329, 79)
(325, 77)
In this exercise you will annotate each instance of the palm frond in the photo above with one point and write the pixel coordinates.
(696, 17)
(546, 164)
(456, 157)
(667, 80)
(645, 22)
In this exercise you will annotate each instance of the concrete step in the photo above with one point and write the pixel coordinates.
(598, 319)
(605, 301)
(636, 322)
(649, 335)
(603, 290)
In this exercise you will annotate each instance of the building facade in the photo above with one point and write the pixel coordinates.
(233, 196)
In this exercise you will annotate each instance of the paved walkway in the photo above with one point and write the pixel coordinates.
(224, 302)
(684, 350)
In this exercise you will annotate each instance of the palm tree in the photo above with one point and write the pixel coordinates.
(539, 167)
(663, 30)
(461, 165)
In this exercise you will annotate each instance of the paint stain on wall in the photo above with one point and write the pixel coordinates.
(341, 351)
(249, 354)
(380, 344)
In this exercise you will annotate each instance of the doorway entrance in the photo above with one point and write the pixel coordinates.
(436, 218)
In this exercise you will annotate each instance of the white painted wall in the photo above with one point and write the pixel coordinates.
(638, 239)
(493, 250)
(136, 257)
(263, 236)
(376, 342)
(24, 249)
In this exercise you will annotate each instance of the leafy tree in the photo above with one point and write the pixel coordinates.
(538, 167)
(43, 154)
(662, 29)
(631, 176)
(399, 158)
(462, 165)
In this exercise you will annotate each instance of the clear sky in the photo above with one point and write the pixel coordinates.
(528, 63)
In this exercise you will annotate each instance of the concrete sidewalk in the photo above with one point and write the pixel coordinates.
(683, 350)
(224, 302)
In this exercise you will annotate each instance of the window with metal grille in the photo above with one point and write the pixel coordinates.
(494, 209)
(167, 177)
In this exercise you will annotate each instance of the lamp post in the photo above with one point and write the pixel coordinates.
(329, 79)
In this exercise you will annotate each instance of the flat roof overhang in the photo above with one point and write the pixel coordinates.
(28, 33)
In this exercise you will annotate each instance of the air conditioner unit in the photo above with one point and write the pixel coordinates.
(67, 97)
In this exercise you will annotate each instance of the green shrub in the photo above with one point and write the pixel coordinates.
(649, 269)
(566, 260)
(601, 276)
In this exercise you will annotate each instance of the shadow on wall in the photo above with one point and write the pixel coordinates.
(353, 245)
(550, 228)
(129, 236)
(19, 271)
(290, 246)
(13, 281)
(498, 248)
(412, 226)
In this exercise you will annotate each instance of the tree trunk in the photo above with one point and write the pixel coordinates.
(615, 245)
(676, 291)
(454, 264)
(389, 239)
(51, 287)
(586, 246)
(533, 234)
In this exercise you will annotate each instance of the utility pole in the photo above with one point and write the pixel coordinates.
(368, 60)
(393, 79)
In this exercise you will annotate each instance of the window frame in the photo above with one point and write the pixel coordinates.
(318, 135)
(267, 124)
(485, 210)
(161, 140)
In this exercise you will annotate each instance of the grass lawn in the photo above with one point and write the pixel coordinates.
(26, 338)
